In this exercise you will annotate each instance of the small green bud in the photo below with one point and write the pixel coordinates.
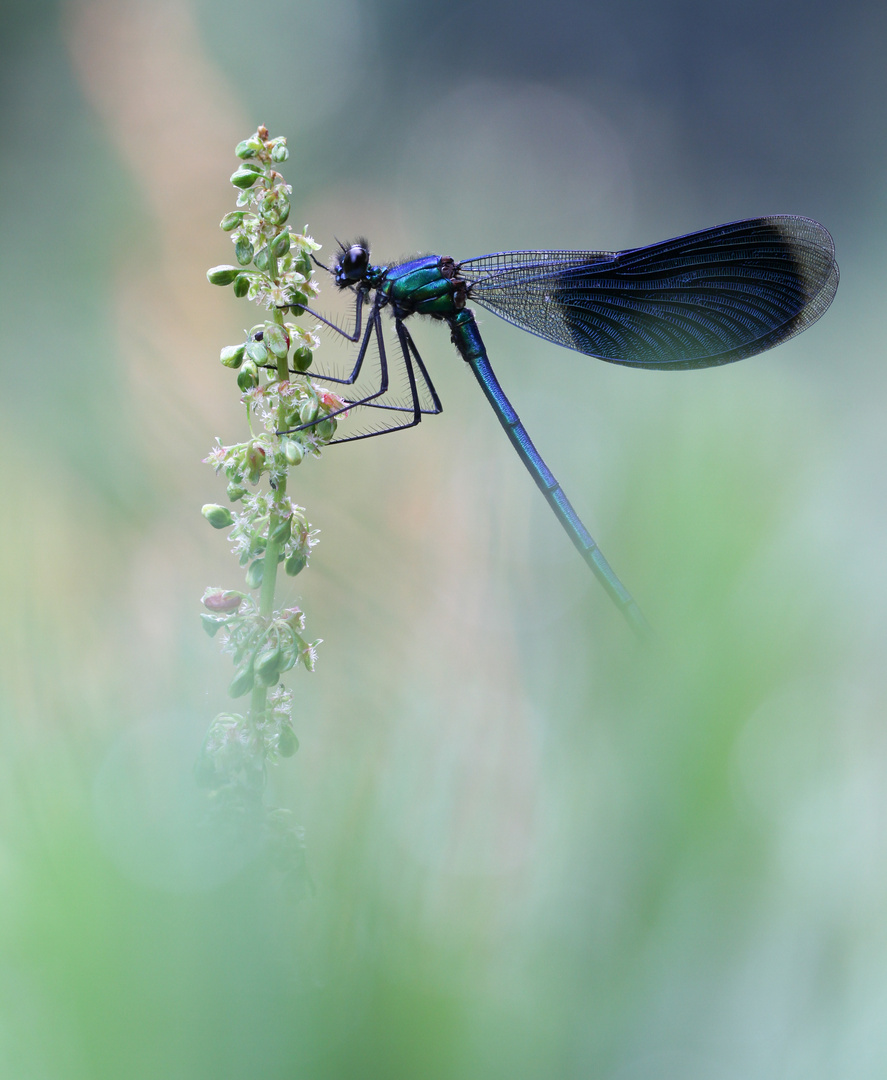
(234, 491)
(263, 258)
(325, 429)
(302, 358)
(279, 152)
(303, 264)
(232, 356)
(248, 376)
(281, 245)
(267, 663)
(292, 451)
(243, 251)
(245, 177)
(241, 286)
(287, 743)
(221, 275)
(256, 351)
(242, 682)
(277, 339)
(297, 300)
(281, 533)
(248, 148)
(220, 517)
(296, 563)
(308, 411)
(232, 221)
(255, 573)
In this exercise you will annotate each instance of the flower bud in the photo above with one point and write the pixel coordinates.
(325, 429)
(232, 221)
(245, 177)
(232, 356)
(255, 572)
(242, 682)
(276, 339)
(297, 301)
(256, 351)
(281, 245)
(248, 148)
(287, 743)
(255, 460)
(308, 411)
(235, 492)
(296, 563)
(279, 152)
(241, 285)
(221, 275)
(292, 451)
(281, 533)
(302, 264)
(262, 258)
(267, 663)
(220, 517)
(224, 601)
(248, 376)
(243, 251)
(302, 358)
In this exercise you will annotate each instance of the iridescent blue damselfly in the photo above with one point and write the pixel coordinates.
(695, 301)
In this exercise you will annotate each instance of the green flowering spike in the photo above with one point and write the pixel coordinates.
(232, 221)
(255, 573)
(232, 356)
(241, 286)
(296, 563)
(243, 251)
(287, 743)
(220, 517)
(302, 358)
(248, 376)
(222, 275)
(276, 339)
(292, 451)
(242, 682)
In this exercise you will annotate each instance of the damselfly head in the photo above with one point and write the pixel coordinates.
(351, 263)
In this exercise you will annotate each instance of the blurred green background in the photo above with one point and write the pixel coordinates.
(537, 850)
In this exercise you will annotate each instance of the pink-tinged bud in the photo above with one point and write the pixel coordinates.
(223, 601)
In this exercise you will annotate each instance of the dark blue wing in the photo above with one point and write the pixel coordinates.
(703, 299)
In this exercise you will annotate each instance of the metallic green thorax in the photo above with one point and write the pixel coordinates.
(427, 286)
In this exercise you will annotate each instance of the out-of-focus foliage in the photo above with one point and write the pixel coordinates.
(536, 849)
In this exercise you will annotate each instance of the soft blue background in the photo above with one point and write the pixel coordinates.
(538, 851)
